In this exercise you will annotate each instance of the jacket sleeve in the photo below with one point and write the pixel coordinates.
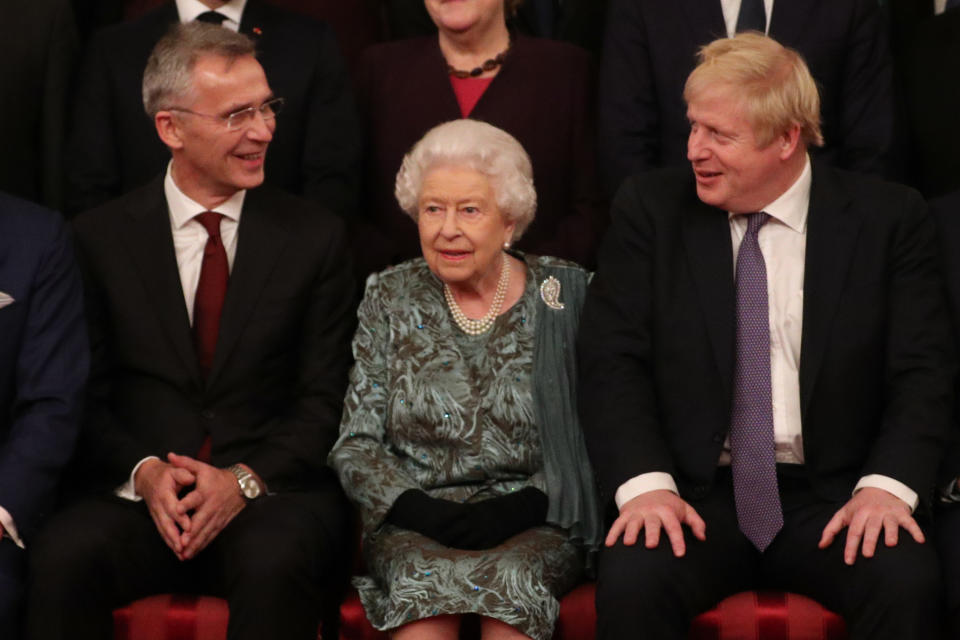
(628, 114)
(920, 365)
(51, 369)
(618, 405)
(370, 472)
(332, 143)
(867, 93)
(298, 442)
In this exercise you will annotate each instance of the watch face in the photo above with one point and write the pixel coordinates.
(250, 487)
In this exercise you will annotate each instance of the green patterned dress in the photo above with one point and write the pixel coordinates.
(432, 408)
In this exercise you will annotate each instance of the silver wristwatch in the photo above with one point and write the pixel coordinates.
(249, 486)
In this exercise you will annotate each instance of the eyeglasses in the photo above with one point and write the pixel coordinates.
(239, 120)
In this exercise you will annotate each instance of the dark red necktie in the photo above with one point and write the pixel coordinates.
(211, 291)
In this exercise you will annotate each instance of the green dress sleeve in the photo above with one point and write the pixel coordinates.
(369, 470)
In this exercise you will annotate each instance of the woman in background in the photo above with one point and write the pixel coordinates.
(538, 90)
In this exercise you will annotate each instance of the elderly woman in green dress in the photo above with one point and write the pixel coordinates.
(460, 442)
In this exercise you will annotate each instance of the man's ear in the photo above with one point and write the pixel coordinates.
(789, 141)
(169, 129)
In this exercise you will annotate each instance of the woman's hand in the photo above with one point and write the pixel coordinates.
(493, 521)
(479, 525)
(442, 520)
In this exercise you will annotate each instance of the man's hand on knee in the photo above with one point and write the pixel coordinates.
(158, 483)
(866, 513)
(653, 511)
(214, 501)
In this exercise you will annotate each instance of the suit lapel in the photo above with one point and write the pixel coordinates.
(789, 21)
(705, 16)
(252, 20)
(259, 245)
(831, 239)
(706, 234)
(150, 243)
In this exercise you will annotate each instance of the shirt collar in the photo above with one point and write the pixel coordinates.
(792, 205)
(183, 209)
(190, 9)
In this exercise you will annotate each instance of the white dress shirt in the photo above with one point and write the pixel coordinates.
(189, 241)
(188, 10)
(731, 9)
(783, 242)
(939, 6)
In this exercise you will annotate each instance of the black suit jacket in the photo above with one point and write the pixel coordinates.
(113, 146)
(274, 395)
(657, 337)
(946, 213)
(650, 49)
(927, 59)
(37, 60)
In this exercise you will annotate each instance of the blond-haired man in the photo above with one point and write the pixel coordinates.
(766, 380)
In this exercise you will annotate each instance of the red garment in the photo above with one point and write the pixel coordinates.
(468, 92)
(211, 291)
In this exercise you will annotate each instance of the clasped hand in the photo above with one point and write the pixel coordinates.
(473, 526)
(188, 524)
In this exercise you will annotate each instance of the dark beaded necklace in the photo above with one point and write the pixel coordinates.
(489, 65)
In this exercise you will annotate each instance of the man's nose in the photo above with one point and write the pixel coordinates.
(261, 128)
(696, 149)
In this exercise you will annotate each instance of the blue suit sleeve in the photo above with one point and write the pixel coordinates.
(51, 370)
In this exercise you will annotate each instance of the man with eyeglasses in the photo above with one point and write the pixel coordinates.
(112, 148)
(220, 315)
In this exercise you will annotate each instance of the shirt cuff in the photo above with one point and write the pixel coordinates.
(10, 527)
(644, 483)
(128, 490)
(950, 493)
(889, 485)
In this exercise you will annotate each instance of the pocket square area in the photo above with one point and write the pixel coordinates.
(5, 299)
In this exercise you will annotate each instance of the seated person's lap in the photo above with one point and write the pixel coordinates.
(108, 536)
(726, 563)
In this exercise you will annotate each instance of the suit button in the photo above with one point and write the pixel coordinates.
(207, 414)
(718, 437)
(698, 492)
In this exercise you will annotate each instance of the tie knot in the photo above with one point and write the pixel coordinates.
(755, 221)
(211, 17)
(211, 222)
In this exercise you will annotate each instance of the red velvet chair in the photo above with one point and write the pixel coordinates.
(173, 617)
(744, 616)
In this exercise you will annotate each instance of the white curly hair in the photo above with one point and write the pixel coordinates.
(479, 146)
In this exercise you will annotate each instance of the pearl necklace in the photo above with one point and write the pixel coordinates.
(479, 326)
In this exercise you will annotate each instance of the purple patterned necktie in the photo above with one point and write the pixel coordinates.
(751, 425)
